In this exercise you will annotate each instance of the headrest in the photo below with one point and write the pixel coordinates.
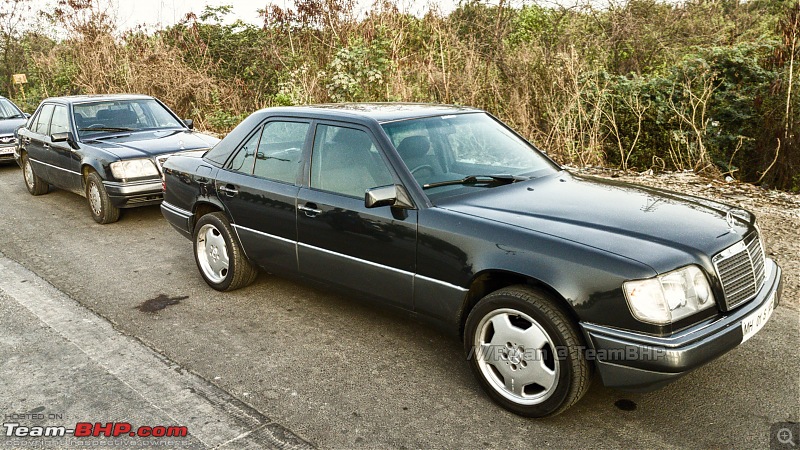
(414, 147)
(104, 114)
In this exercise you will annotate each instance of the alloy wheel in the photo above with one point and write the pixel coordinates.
(517, 356)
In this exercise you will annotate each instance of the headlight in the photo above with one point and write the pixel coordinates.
(670, 297)
(134, 168)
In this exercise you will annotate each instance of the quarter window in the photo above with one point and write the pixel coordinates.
(246, 156)
(280, 150)
(346, 161)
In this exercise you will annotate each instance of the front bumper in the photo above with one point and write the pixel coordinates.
(637, 362)
(134, 193)
(7, 152)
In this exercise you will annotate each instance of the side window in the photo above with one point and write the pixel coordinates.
(280, 149)
(60, 122)
(246, 155)
(346, 161)
(43, 122)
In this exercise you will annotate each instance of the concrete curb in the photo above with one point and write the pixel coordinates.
(213, 417)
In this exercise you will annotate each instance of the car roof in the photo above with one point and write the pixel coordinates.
(381, 112)
(71, 99)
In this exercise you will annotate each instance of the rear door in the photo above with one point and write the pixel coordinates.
(340, 240)
(258, 187)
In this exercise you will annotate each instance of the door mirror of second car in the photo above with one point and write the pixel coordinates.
(393, 195)
(27, 115)
(189, 123)
(65, 136)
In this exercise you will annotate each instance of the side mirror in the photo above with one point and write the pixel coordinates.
(27, 115)
(65, 136)
(393, 195)
(189, 123)
(60, 137)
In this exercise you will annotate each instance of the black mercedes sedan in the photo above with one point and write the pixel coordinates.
(108, 148)
(11, 118)
(448, 214)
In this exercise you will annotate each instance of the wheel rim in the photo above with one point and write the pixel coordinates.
(212, 253)
(517, 356)
(28, 173)
(94, 199)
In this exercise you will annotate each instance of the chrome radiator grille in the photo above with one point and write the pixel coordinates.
(740, 268)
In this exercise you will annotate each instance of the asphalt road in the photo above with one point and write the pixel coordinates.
(344, 374)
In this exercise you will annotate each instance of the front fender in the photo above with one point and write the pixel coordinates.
(102, 169)
(455, 250)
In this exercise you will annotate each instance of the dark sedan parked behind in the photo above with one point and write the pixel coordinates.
(108, 148)
(447, 213)
(11, 118)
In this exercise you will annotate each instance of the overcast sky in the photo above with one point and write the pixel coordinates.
(131, 13)
(156, 14)
(167, 12)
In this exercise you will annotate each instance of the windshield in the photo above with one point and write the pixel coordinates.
(448, 154)
(97, 118)
(8, 110)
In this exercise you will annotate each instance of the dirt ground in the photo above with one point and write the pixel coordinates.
(778, 214)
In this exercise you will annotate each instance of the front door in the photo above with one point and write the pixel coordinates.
(340, 240)
(65, 162)
(37, 142)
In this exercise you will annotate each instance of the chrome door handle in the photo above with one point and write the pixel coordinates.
(230, 191)
(310, 212)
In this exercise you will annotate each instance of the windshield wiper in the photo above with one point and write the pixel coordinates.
(479, 179)
(107, 129)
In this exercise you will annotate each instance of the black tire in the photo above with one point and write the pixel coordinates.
(552, 377)
(100, 206)
(214, 243)
(35, 185)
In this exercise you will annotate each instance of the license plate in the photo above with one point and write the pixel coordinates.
(6, 151)
(755, 321)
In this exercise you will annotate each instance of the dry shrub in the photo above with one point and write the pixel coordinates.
(138, 64)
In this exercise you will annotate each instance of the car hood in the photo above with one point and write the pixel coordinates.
(655, 227)
(151, 143)
(8, 126)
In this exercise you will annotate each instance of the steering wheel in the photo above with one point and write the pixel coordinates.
(96, 125)
(423, 167)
